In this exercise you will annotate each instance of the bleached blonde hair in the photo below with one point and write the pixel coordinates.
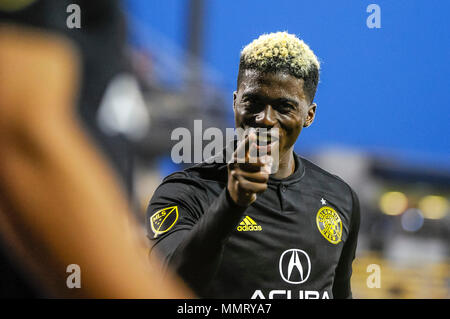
(281, 51)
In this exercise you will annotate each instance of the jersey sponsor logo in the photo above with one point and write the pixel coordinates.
(290, 294)
(163, 220)
(295, 266)
(329, 224)
(248, 224)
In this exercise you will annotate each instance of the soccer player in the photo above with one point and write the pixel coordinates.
(231, 229)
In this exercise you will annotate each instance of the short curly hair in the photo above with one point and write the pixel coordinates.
(281, 51)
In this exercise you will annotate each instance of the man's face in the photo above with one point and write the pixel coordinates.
(273, 100)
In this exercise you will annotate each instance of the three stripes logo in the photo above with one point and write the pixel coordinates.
(248, 224)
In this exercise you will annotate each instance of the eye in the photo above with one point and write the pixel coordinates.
(251, 103)
(285, 107)
(248, 100)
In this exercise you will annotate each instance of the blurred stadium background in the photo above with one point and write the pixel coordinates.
(382, 122)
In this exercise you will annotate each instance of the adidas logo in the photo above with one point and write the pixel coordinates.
(248, 224)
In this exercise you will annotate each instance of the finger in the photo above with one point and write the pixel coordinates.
(268, 149)
(267, 168)
(274, 162)
(251, 167)
(251, 197)
(255, 162)
(252, 154)
(256, 177)
(246, 186)
(241, 153)
(274, 147)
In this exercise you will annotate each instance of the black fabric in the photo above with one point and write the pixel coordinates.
(13, 282)
(220, 258)
(101, 44)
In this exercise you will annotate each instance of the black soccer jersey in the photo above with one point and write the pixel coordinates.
(297, 240)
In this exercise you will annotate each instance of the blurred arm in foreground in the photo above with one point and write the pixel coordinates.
(59, 202)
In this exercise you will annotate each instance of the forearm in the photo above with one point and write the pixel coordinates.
(342, 283)
(73, 212)
(198, 255)
(60, 202)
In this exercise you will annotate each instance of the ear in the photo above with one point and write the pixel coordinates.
(234, 100)
(311, 115)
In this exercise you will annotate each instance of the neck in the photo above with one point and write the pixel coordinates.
(287, 165)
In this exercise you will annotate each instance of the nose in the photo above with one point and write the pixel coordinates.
(266, 118)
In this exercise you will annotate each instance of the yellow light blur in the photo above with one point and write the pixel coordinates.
(14, 5)
(433, 207)
(393, 203)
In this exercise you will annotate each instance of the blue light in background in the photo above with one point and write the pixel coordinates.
(383, 91)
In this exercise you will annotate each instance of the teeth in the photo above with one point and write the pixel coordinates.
(264, 140)
(264, 135)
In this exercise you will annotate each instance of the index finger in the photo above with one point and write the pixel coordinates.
(240, 154)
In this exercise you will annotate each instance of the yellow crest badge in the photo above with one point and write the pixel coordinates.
(163, 220)
(329, 224)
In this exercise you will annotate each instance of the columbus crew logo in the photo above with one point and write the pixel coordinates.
(329, 224)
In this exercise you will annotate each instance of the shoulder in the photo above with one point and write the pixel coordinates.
(193, 181)
(209, 172)
(325, 178)
(192, 190)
